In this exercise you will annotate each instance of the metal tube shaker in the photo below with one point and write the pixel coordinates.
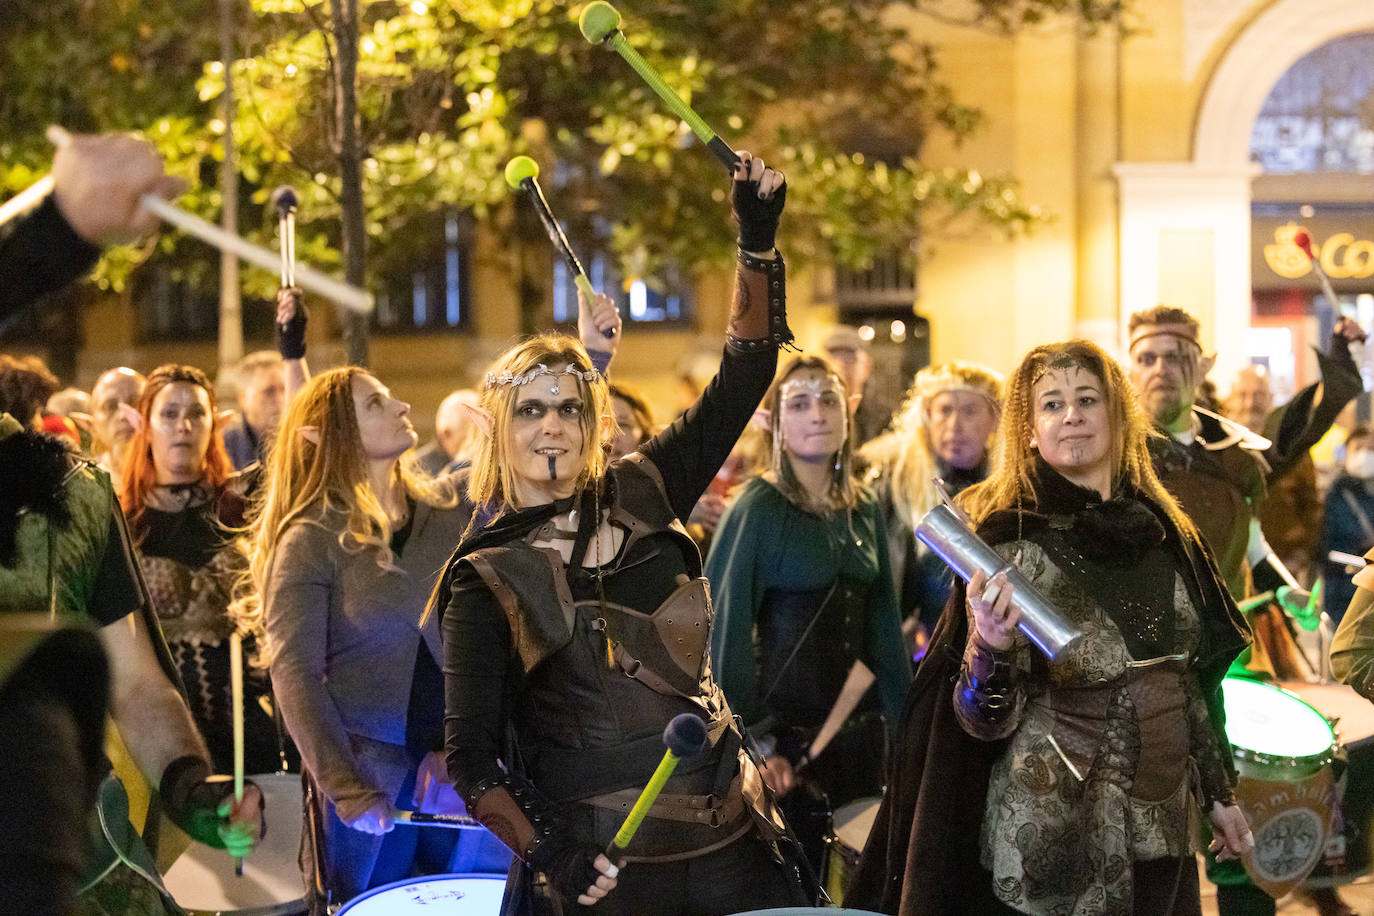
(943, 531)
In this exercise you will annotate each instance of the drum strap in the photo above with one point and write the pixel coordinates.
(116, 841)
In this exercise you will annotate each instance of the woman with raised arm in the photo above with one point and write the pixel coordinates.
(576, 624)
(1067, 786)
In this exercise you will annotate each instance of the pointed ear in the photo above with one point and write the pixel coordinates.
(854, 400)
(131, 416)
(480, 418)
(223, 418)
(1205, 364)
(310, 434)
(762, 419)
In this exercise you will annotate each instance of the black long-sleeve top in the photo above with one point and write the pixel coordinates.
(39, 252)
(485, 684)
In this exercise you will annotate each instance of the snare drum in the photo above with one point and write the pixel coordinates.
(1283, 750)
(202, 879)
(463, 895)
(853, 822)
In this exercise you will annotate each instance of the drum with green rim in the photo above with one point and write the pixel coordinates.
(1273, 733)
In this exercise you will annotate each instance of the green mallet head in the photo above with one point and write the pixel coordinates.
(520, 168)
(599, 21)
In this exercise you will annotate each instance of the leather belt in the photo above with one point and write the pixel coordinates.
(710, 810)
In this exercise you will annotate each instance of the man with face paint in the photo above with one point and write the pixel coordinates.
(1218, 471)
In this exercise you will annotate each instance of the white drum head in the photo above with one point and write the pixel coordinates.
(854, 821)
(203, 880)
(461, 895)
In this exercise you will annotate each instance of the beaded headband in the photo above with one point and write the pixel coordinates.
(495, 380)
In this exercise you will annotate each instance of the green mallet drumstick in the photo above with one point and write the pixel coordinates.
(685, 736)
(600, 24)
(522, 174)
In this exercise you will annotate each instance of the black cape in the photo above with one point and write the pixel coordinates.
(922, 856)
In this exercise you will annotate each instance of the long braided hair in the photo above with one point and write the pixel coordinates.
(1009, 485)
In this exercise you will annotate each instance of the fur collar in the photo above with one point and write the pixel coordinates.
(34, 466)
(1123, 526)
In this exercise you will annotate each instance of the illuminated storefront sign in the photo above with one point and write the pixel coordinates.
(1345, 253)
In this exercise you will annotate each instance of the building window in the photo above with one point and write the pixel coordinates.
(889, 283)
(1318, 117)
(428, 290)
(666, 303)
(170, 307)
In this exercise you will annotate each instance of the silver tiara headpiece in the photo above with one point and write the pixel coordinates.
(812, 386)
(495, 380)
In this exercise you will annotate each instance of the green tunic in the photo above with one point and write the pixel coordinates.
(764, 542)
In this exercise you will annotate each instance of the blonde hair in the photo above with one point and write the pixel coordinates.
(491, 482)
(905, 455)
(307, 479)
(842, 491)
(1009, 485)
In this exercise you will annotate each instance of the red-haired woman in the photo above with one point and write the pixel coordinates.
(183, 499)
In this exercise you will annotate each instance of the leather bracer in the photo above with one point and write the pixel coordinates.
(511, 808)
(987, 695)
(758, 318)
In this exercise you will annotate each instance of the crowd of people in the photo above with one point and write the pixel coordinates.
(512, 613)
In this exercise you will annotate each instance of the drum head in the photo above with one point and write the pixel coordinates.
(463, 895)
(854, 821)
(1267, 725)
(202, 880)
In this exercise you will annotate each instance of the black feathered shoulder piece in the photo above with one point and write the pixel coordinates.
(33, 467)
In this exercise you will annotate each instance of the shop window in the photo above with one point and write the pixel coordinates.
(171, 308)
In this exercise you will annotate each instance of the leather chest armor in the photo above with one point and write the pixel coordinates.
(602, 679)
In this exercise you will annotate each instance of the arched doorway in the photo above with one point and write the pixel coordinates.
(1187, 225)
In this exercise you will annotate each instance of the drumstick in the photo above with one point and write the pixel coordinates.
(1303, 240)
(455, 821)
(600, 24)
(236, 695)
(307, 277)
(522, 174)
(855, 687)
(26, 198)
(1254, 601)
